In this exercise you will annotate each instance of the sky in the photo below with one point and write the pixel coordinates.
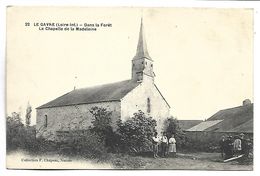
(203, 58)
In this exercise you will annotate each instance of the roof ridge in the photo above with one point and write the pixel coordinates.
(94, 94)
(100, 85)
(236, 107)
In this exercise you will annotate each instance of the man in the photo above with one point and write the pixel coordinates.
(221, 144)
(228, 148)
(237, 146)
(164, 143)
(243, 143)
(156, 141)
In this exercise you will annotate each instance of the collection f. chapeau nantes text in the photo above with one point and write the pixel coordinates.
(51, 26)
(45, 160)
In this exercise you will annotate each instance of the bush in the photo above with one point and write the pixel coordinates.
(171, 126)
(18, 136)
(102, 127)
(136, 133)
(83, 143)
(201, 146)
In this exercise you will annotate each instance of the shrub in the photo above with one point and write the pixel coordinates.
(83, 143)
(102, 127)
(15, 132)
(171, 126)
(136, 133)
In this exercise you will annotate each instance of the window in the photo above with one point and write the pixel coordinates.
(148, 105)
(45, 121)
(151, 65)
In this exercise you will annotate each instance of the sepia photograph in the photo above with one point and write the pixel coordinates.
(148, 88)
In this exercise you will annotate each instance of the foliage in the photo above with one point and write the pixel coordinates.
(20, 137)
(28, 115)
(102, 126)
(171, 126)
(14, 131)
(136, 133)
(102, 120)
(200, 146)
(82, 143)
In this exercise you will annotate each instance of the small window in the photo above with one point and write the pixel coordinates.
(45, 121)
(133, 65)
(148, 105)
(151, 65)
(142, 62)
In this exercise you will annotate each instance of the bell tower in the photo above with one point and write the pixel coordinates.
(142, 63)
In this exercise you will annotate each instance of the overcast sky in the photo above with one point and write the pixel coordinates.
(203, 58)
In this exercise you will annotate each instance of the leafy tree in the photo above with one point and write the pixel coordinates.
(171, 126)
(14, 131)
(136, 133)
(102, 126)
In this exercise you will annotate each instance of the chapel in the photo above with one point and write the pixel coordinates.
(124, 98)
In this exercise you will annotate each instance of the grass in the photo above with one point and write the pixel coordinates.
(184, 161)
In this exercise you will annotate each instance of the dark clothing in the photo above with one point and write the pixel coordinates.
(243, 146)
(228, 149)
(221, 144)
(164, 149)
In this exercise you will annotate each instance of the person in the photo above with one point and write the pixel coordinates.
(243, 143)
(221, 144)
(228, 148)
(172, 146)
(164, 144)
(156, 141)
(237, 146)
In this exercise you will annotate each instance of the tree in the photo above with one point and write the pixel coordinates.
(136, 133)
(102, 126)
(14, 131)
(171, 126)
(102, 120)
(28, 115)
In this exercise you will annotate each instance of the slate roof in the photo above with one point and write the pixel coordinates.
(237, 119)
(186, 124)
(204, 125)
(246, 127)
(101, 93)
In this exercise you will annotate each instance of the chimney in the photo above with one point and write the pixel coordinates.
(246, 102)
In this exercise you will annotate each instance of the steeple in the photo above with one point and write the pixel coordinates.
(142, 63)
(141, 50)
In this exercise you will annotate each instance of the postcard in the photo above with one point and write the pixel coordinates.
(129, 88)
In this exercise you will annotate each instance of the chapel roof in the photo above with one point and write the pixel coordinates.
(101, 93)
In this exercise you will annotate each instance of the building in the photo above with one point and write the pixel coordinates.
(187, 124)
(231, 121)
(71, 110)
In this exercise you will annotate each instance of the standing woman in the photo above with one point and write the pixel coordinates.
(172, 146)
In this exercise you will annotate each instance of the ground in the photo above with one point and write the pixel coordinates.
(184, 161)
(191, 161)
